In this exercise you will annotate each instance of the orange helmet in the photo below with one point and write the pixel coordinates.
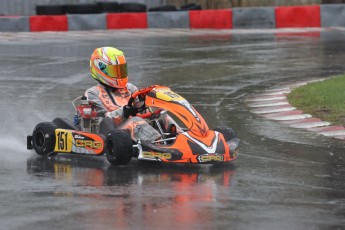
(108, 66)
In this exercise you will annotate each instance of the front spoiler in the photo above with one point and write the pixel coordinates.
(148, 152)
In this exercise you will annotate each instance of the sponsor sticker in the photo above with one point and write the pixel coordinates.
(210, 157)
(155, 155)
(88, 144)
(77, 136)
(64, 141)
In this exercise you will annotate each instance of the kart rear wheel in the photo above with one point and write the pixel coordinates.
(119, 147)
(43, 139)
(227, 132)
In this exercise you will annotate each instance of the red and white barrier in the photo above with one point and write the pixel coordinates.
(210, 19)
(297, 16)
(14, 23)
(127, 21)
(48, 23)
(283, 17)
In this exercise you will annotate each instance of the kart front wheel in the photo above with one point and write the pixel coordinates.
(119, 147)
(43, 138)
(227, 132)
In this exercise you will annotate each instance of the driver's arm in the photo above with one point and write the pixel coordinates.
(137, 103)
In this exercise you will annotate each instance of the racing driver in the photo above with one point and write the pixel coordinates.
(108, 67)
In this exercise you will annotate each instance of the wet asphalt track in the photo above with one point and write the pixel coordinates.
(284, 178)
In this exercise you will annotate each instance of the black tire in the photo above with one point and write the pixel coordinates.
(227, 132)
(50, 10)
(190, 6)
(64, 123)
(43, 138)
(119, 147)
(163, 8)
(109, 7)
(83, 9)
(133, 7)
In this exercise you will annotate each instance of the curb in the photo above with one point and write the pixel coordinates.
(315, 16)
(272, 104)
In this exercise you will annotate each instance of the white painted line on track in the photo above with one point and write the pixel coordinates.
(283, 114)
(277, 89)
(258, 105)
(326, 129)
(342, 137)
(280, 92)
(256, 99)
(307, 120)
(292, 117)
(273, 110)
(310, 125)
(333, 133)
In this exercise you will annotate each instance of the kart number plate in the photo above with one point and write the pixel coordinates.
(64, 141)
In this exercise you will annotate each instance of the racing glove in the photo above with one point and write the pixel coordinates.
(129, 111)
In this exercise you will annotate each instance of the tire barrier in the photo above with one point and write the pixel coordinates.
(163, 8)
(50, 10)
(168, 20)
(210, 19)
(246, 18)
(332, 15)
(83, 9)
(133, 7)
(190, 6)
(14, 24)
(297, 16)
(109, 7)
(238, 18)
(87, 22)
(332, 1)
(95, 8)
(127, 21)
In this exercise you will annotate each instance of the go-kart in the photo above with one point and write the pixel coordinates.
(187, 139)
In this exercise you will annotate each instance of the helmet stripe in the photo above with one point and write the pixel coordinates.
(120, 59)
(104, 55)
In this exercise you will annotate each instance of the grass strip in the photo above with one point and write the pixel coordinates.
(324, 99)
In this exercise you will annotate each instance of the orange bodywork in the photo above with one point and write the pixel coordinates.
(162, 97)
(189, 144)
(198, 145)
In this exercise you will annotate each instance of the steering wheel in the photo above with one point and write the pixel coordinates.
(142, 94)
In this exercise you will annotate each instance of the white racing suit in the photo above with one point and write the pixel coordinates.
(111, 102)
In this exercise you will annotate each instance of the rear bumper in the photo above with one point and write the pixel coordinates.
(29, 142)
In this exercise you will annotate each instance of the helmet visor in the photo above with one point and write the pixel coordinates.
(116, 71)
